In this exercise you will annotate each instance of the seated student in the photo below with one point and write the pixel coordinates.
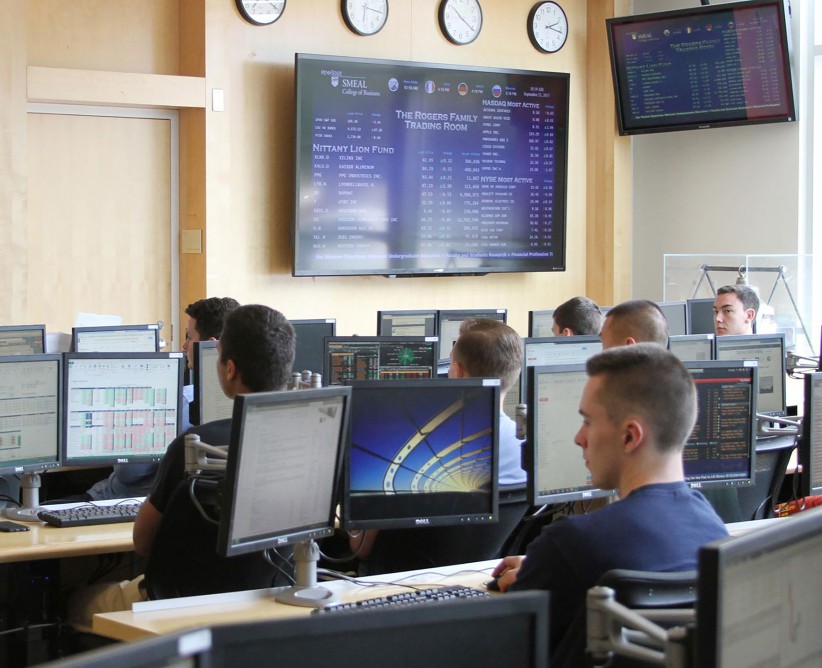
(638, 408)
(735, 309)
(634, 321)
(205, 322)
(579, 316)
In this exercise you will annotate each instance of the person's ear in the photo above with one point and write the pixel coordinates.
(457, 370)
(633, 434)
(230, 370)
(630, 341)
(751, 314)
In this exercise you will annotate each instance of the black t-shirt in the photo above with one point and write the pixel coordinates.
(172, 466)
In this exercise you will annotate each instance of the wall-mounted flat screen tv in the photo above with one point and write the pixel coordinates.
(701, 67)
(413, 169)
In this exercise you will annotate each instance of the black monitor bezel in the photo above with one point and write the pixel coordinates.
(750, 479)
(748, 338)
(557, 340)
(197, 377)
(493, 384)
(331, 322)
(806, 486)
(298, 534)
(465, 314)
(379, 340)
(401, 312)
(115, 328)
(28, 328)
(108, 461)
(533, 315)
(695, 337)
(696, 302)
(679, 303)
(56, 462)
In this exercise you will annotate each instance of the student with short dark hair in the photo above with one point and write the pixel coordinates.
(735, 309)
(578, 316)
(634, 321)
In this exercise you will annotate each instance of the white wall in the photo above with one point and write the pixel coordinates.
(717, 191)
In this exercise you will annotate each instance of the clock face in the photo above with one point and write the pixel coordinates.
(460, 20)
(261, 12)
(365, 17)
(547, 27)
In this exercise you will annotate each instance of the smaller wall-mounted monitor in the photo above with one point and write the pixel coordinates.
(30, 423)
(120, 408)
(407, 323)
(311, 343)
(676, 313)
(22, 339)
(448, 325)
(692, 346)
(554, 463)
(810, 446)
(701, 316)
(350, 358)
(541, 323)
(423, 453)
(284, 462)
(209, 398)
(116, 339)
(769, 351)
(721, 449)
(758, 595)
(701, 67)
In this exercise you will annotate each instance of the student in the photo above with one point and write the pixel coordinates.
(579, 316)
(489, 348)
(735, 309)
(635, 321)
(638, 408)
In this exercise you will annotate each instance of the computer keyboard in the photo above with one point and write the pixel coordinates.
(90, 514)
(411, 597)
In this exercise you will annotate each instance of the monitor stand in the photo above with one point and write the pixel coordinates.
(305, 591)
(30, 493)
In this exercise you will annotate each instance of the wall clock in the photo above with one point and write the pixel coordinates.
(365, 17)
(460, 20)
(261, 12)
(547, 27)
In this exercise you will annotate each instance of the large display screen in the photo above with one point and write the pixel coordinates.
(417, 169)
(724, 64)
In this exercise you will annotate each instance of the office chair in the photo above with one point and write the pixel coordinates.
(654, 602)
(412, 549)
(184, 562)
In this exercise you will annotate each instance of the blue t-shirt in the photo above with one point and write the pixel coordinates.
(655, 528)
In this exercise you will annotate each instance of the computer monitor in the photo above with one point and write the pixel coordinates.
(379, 358)
(554, 463)
(423, 453)
(116, 339)
(311, 343)
(448, 325)
(407, 323)
(721, 449)
(676, 313)
(692, 346)
(30, 425)
(120, 408)
(284, 462)
(541, 323)
(810, 446)
(769, 351)
(22, 339)
(758, 596)
(209, 398)
(701, 316)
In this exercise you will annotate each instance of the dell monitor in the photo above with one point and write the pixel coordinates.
(30, 423)
(758, 596)
(554, 463)
(120, 408)
(720, 451)
(209, 398)
(116, 339)
(541, 323)
(449, 322)
(676, 313)
(692, 346)
(284, 462)
(423, 453)
(810, 446)
(700, 316)
(22, 339)
(769, 351)
(311, 334)
(407, 323)
(379, 358)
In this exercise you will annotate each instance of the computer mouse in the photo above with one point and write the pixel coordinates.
(492, 585)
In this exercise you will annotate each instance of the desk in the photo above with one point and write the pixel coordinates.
(259, 606)
(47, 542)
